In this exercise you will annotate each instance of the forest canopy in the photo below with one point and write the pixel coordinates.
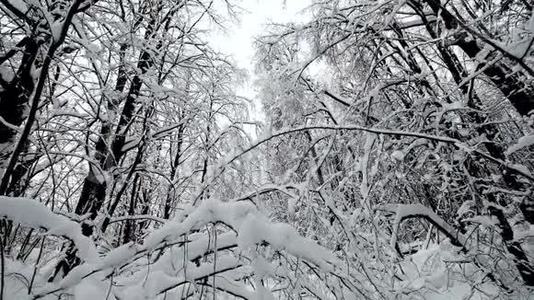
(394, 158)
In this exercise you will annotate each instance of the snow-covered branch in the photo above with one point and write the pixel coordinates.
(410, 211)
(34, 214)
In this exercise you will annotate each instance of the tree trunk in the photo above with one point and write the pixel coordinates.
(510, 83)
(511, 88)
(95, 186)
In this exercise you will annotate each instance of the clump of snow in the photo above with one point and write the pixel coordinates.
(6, 74)
(397, 155)
(19, 4)
(57, 29)
(429, 273)
(252, 228)
(36, 215)
(523, 142)
(484, 220)
(404, 211)
(177, 266)
(522, 168)
(90, 289)
(16, 277)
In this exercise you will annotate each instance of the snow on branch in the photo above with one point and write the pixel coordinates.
(410, 211)
(162, 282)
(523, 142)
(250, 227)
(379, 131)
(36, 215)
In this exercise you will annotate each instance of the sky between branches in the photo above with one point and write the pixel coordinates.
(238, 39)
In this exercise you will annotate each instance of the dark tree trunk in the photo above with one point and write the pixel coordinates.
(14, 95)
(171, 191)
(511, 84)
(458, 72)
(129, 226)
(94, 187)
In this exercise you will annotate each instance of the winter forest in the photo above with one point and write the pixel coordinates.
(386, 150)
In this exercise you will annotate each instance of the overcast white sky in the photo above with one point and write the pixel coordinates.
(239, 38)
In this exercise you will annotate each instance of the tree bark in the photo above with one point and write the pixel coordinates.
(510, 83)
